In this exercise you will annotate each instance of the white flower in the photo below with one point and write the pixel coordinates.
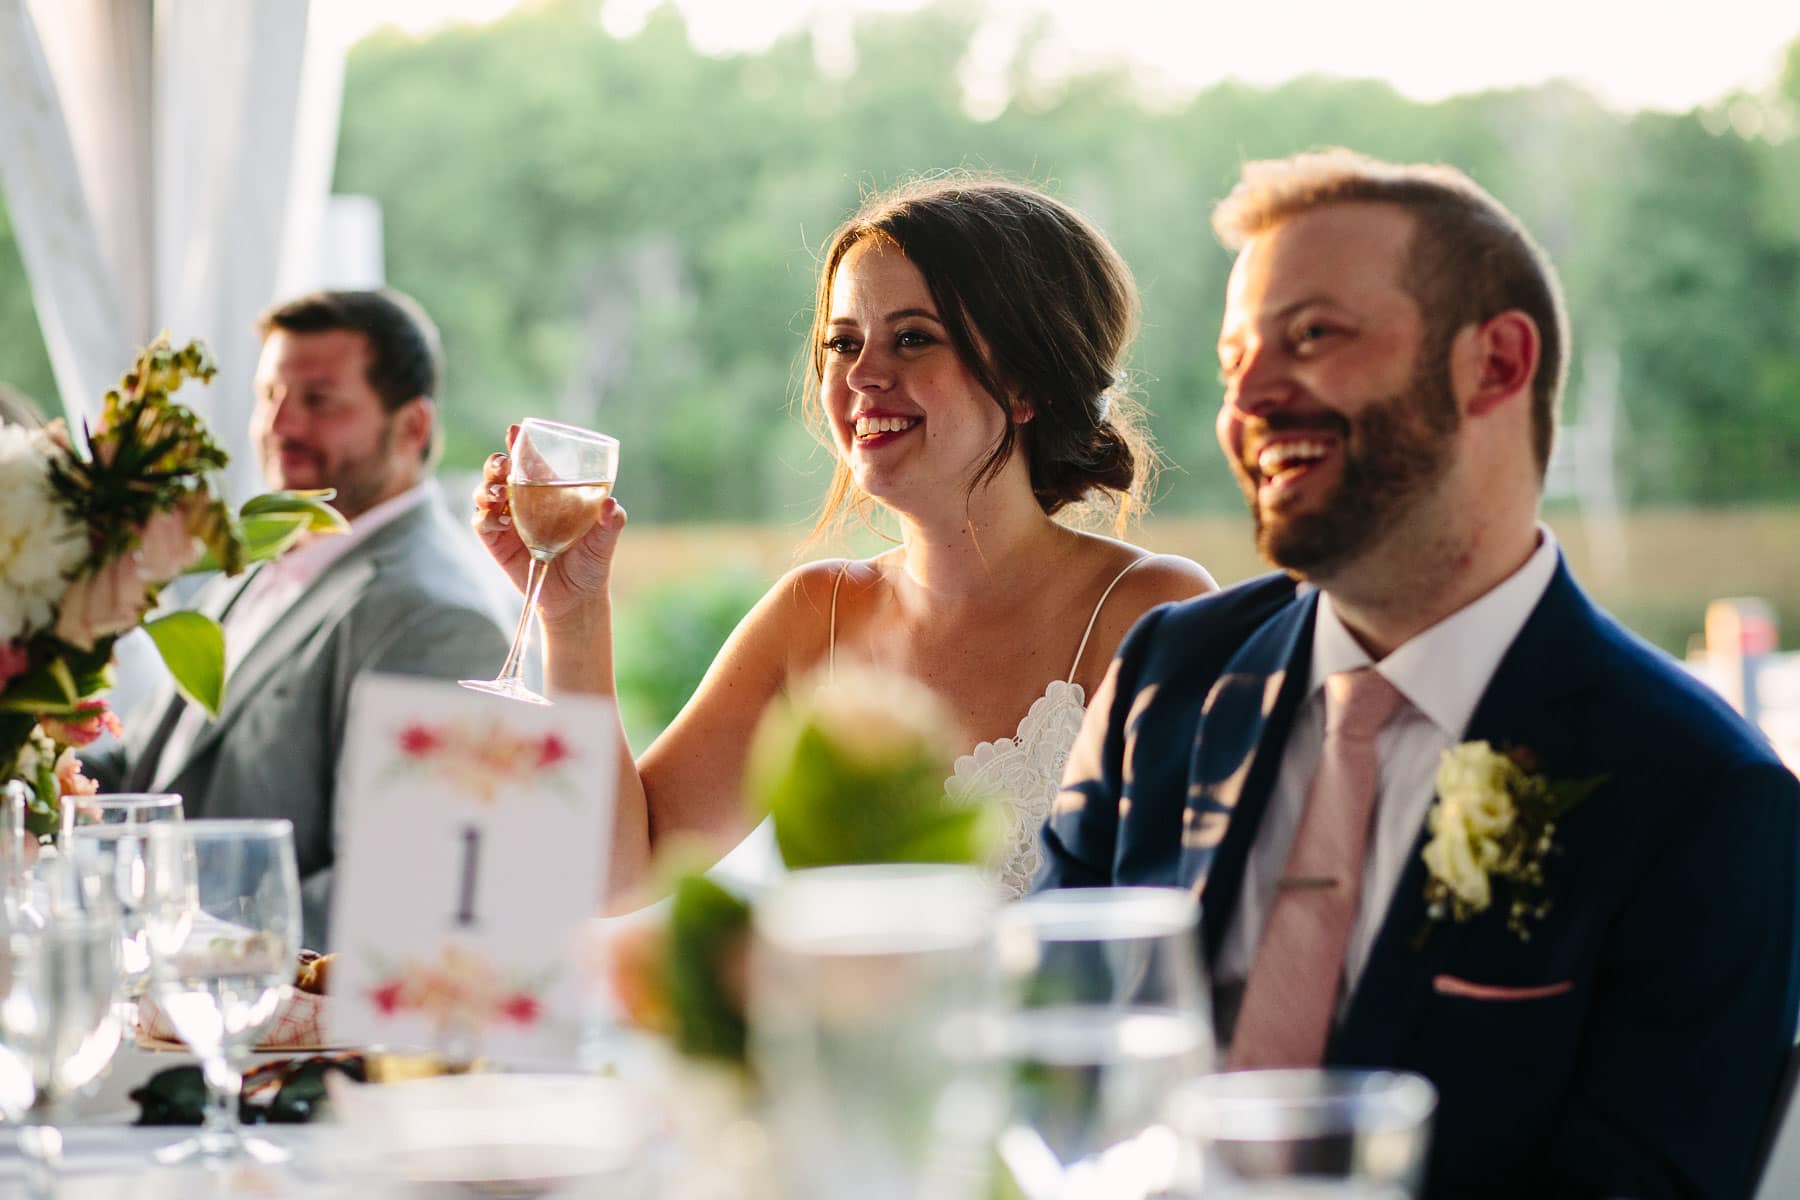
(1456, 859)
(1474, 811)
(41, 545)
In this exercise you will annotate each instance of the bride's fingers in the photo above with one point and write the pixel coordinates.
(495, 468)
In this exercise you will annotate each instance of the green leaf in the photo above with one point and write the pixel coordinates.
(193, 646)
(321, 517)
(48, 689)
(264, 536)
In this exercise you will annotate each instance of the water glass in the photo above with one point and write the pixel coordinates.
(1251, 1134)
(222, 915)
(58, 1028)
(1110, 1011)
(870, 991)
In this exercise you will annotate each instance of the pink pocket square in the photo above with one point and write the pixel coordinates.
(1450, 985)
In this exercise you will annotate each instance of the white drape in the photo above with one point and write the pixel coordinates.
(166, 164)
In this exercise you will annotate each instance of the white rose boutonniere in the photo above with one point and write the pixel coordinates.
(1494, 819)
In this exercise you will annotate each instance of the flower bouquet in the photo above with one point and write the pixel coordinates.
(89, 536)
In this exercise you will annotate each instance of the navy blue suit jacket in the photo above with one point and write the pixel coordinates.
(1650, 1014)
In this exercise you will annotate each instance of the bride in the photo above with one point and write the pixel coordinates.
(968, 345)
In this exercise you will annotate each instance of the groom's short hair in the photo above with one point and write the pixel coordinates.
(1470, 259)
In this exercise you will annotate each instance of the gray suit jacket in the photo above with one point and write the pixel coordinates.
(409, 600)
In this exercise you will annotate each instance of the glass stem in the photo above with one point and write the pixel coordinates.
(40, 1145)
(515, 658)
(224, 1084)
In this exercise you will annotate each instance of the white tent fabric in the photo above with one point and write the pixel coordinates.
(166, 165)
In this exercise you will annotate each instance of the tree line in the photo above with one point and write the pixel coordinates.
(622, 232)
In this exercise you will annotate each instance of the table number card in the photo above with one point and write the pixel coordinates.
(472, 836)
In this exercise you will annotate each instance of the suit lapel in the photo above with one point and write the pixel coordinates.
(1237, 751)
(331, 593)
(1534, 700)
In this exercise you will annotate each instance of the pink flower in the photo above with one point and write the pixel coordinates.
(109, 601)
(419, 741)
(387, 997)
(13, 662)
(91, 719)
(552, 750)
(521, 1008)
(69, 779)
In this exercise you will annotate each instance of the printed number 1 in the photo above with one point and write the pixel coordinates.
(465, 913)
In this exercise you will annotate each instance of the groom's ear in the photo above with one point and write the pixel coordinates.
(1502, 360)
(415, 429)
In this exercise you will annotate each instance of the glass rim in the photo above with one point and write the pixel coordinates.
(268, 827)
(570, 431)
(1087, 914)
(1282, 1103)
(129, 799)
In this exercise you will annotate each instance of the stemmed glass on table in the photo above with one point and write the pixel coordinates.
(105, 841)
(222, 912)
(1110, 1012)
(558, 478)
(58, 1027)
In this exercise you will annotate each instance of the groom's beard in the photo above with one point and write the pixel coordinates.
(1394, 452)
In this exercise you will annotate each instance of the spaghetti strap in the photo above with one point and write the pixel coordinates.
(831, 642)
(1082, 649)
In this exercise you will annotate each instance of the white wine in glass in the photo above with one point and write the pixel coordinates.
(559, 477)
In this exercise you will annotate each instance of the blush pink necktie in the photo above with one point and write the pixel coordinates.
(1292, 991)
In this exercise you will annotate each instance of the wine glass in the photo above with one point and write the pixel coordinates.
(1321, 1133)
(870, 988)
(58, 1029)
(111, 860)
(559, 477)
(222, 911)
(1110, 1011)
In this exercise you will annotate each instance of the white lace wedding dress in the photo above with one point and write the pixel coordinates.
(1026, 767)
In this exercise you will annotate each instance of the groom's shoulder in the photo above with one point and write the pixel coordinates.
(1665, 698)
(1192, 635)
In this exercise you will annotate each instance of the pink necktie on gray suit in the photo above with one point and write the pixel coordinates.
(1292, 991)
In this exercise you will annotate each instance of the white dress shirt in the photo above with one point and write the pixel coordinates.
(269, 594)
(1442, 673)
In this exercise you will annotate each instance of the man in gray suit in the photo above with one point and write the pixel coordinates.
(343, 400)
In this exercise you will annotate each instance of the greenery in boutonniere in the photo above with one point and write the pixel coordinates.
(850, 770)
(89, 536)
(1494, 819)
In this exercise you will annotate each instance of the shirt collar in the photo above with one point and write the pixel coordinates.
(1442, 671)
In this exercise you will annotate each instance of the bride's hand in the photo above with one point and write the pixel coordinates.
(578, 577)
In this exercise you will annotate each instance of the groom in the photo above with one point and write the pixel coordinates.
(1604, 1001)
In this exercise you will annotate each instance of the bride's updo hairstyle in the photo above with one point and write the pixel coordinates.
(1056, 308)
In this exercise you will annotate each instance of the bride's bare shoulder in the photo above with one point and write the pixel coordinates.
(811, 587)
(1145, 579)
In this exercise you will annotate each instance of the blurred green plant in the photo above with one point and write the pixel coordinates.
(667, 637)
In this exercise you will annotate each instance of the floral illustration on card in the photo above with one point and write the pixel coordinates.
(481, 759)
(458, 993)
